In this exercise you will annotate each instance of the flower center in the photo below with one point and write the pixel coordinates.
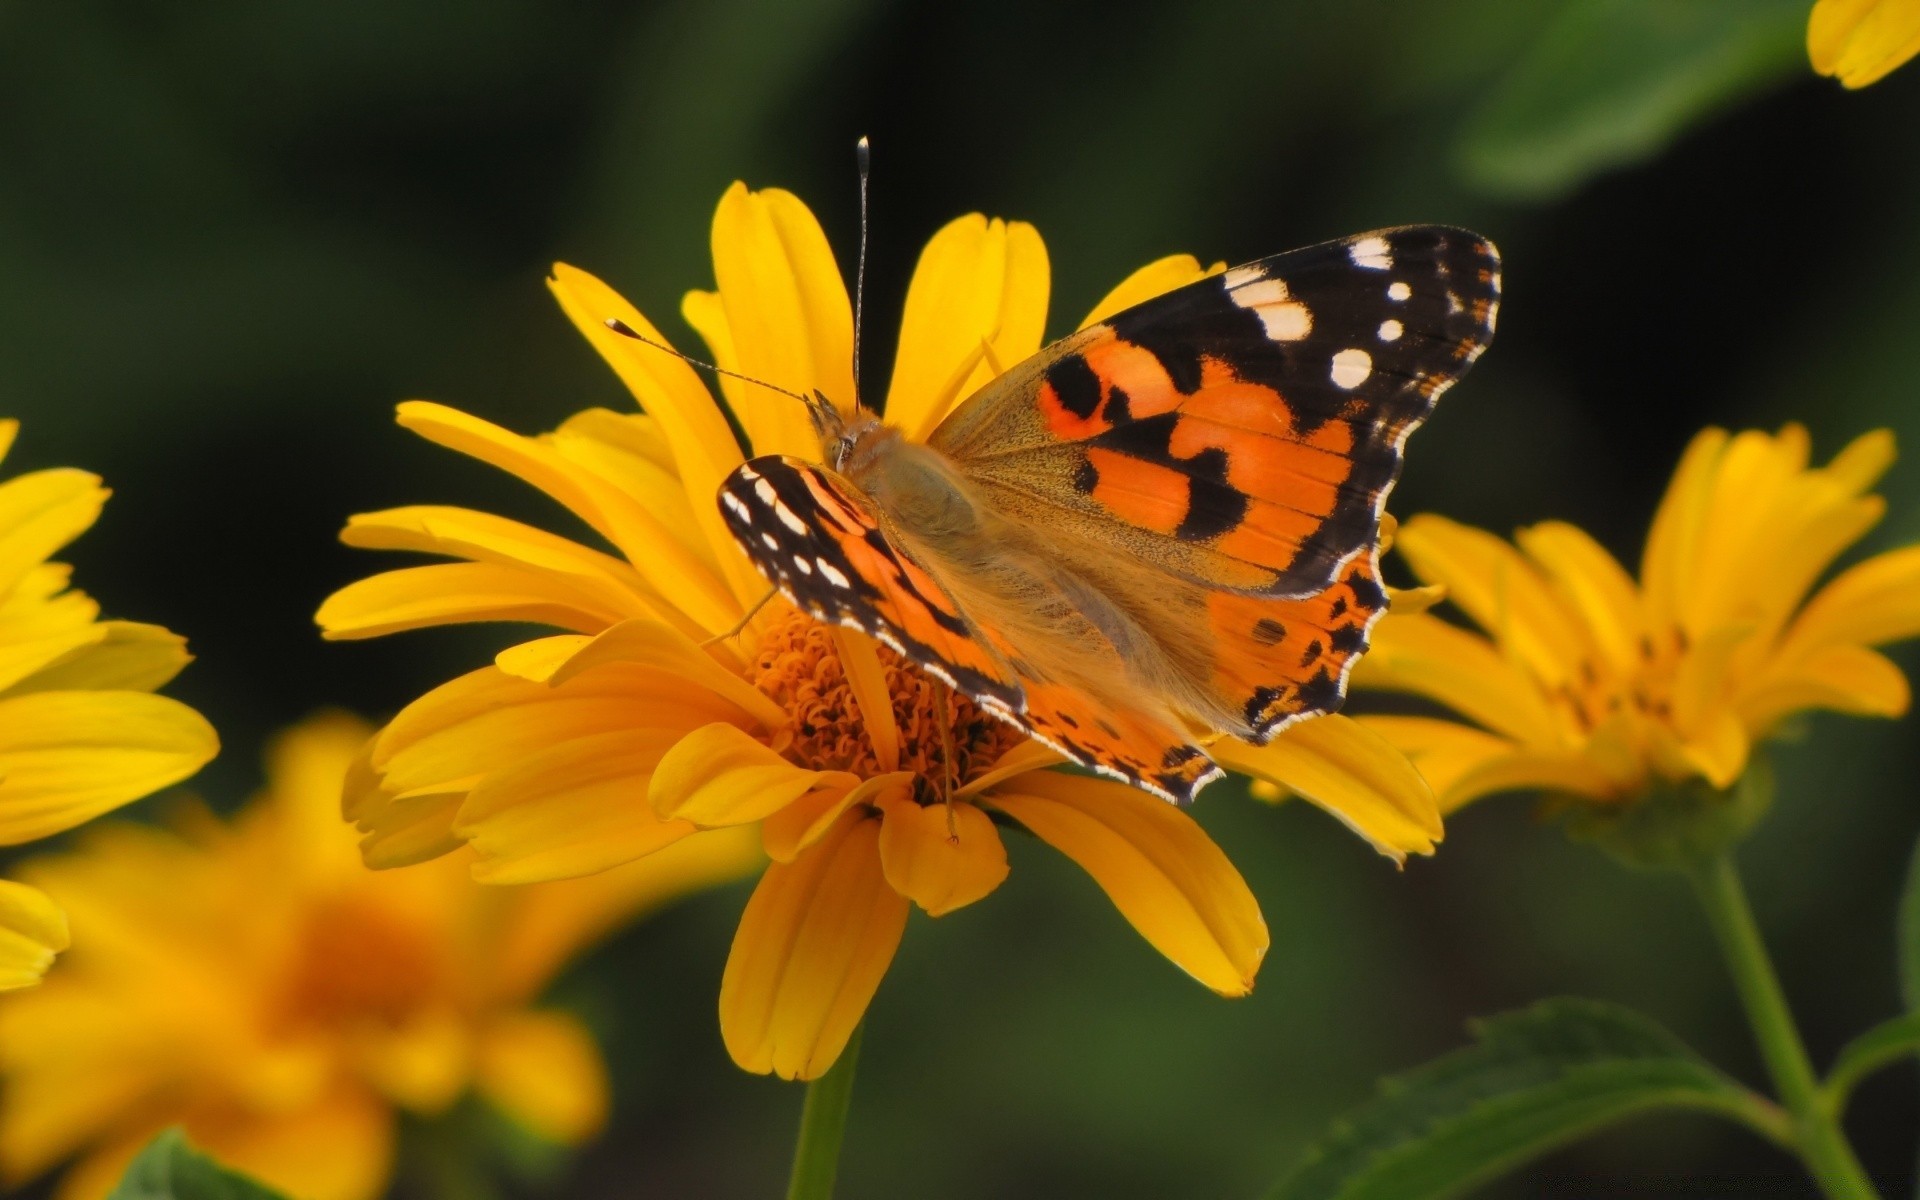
(356, 963)
(945, 738)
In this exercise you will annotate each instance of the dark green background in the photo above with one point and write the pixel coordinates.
(232, 235)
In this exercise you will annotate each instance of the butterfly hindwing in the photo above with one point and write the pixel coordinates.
(1244, 430)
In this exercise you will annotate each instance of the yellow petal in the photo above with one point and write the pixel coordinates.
(1717, 750)
(422, 1061)
(787, 317)
(1157, 278)
(978, 282)
(569, 810)
(1429, 657)
(1667, 566)
(868, 680)
(543, 1069)
(1870, 603)
(1351, 772)
(704, 449)
(812, 947)
(1594, 586)
(483, 537)
(1017, 760)
(719, 775)
(339, 1149)
(1500, 590)
(41, 512)
(1844, 678)
(1444, 752)
(540, 659)
(1157, 866)
(1860, 41)
(454, 593)
(126, 656)
(548, 925)
(789, 832)
(66, 757)
(940, 856)
(32, 931)
(654, 550)
(9, 429)
(657, 647)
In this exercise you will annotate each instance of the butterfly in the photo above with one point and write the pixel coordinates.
(1161, 528)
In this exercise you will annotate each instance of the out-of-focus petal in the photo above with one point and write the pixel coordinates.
(543, 1069)
(1157, 866)
(67, 757)
(940, 856)
(41, 512)
(1444, 752)
(33, 930)
(1673, 542)
(1495, 585)
(719, 775)
(341, 1149)
(1429, 657)
(1844, 678)
(1351, 772)
(978, 283)
(1870, 603)
(1860, 41)
(1594, 587)
(812, 947)
(1157, 278)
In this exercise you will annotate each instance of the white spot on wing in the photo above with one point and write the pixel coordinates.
(1351, 368)
(833, 575)
(1371, 253)
(802, 565)
(789, 519)
(1285, 319)
(773, 543)
(735, 503)
(1390, 331)
(1241, 276)
(764, 490)
(1398, 291)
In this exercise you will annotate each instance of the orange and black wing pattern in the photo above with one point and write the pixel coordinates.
(810, 534)
(1242, 431)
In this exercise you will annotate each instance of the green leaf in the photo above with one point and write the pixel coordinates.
(1883, 1045)
(171, 1169)
(1534, 1080)
(1612, 82)
(1909, 934)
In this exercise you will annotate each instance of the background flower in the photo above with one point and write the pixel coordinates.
(870, 784)
(1586, 683)
(255, 983)
(1859, 41)
(79, 732)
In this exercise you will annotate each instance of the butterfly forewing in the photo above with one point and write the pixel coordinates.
(1243, 430)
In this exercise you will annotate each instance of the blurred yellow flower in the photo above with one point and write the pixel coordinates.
(1589, 685)
(837, 752)
(1860, 41)
(79, 733)
(256, 983)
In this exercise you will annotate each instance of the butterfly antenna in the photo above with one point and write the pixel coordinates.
(625, 330)
(863, 159)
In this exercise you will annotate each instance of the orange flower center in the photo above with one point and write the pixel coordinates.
(356, 963)
(945, 738)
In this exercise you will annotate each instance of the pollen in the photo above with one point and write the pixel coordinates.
(945, 738)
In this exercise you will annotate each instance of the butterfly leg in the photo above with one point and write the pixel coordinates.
(741, 624)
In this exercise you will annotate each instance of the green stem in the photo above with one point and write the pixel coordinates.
(1817, 1133)
(823, 1123)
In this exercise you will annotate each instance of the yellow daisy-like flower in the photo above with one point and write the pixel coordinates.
(1860, 41)
(255, 983)
(79, 732)
(1587, 684)
(872, 787)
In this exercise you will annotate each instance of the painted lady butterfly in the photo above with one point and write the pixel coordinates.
(1162, 527)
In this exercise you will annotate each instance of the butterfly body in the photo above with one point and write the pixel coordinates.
(1161, 528)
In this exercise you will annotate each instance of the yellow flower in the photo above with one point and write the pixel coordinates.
(1589, 685)
(1859, 41)
(871, 786)
(79, 733)
(256, 983)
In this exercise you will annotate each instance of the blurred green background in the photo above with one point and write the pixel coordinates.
(232, 235)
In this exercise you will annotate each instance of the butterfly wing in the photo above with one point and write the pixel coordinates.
(818, 539)
(1242, 431)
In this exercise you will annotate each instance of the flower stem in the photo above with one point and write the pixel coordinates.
(823, 1123)
(1816, 1125)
